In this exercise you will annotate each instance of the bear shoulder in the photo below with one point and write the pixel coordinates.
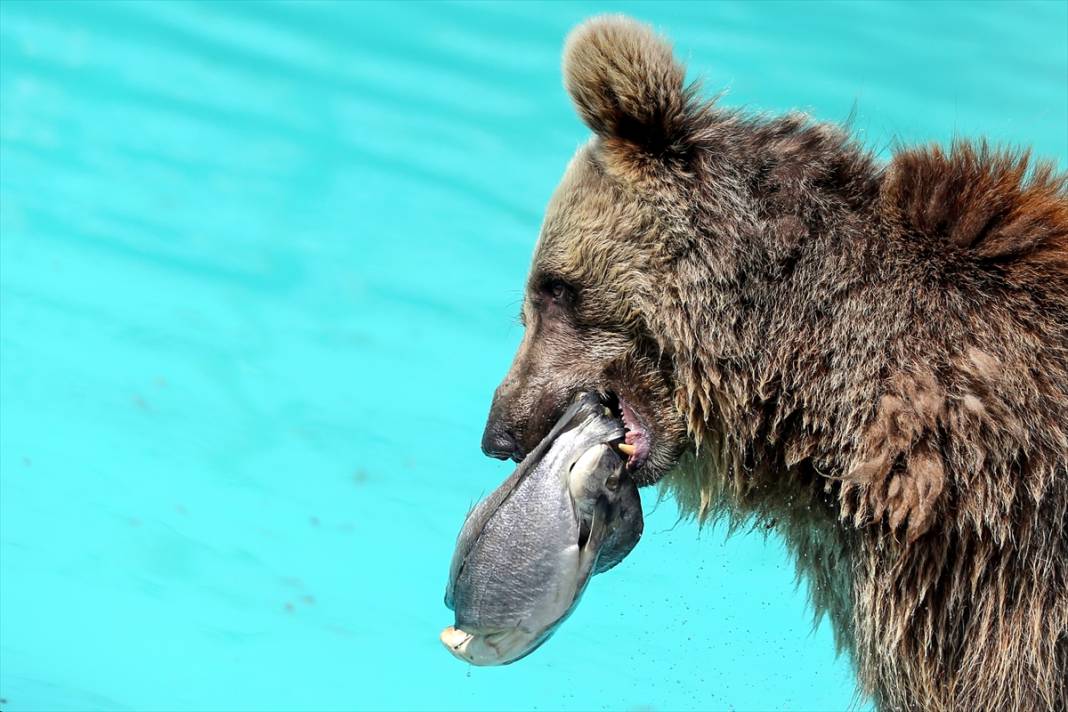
(997, 205)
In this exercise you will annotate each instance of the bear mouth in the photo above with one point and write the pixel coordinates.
(637, 441)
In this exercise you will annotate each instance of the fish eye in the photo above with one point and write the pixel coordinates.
(612, 483)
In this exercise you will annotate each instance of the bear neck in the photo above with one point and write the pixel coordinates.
(782, 227)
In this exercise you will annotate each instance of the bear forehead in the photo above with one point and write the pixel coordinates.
(591, 224)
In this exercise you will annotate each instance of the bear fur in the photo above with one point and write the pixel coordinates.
(870, 359)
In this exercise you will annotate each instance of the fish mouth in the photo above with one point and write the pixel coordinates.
(488, 649)
(457, 642)
(638, 436)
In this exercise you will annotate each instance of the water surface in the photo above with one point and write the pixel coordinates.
(259, 271)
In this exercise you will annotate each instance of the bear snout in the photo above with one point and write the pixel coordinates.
(497, 440)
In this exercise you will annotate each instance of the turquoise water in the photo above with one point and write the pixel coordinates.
(259, 269)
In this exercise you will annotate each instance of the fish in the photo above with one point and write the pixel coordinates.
(527, 551)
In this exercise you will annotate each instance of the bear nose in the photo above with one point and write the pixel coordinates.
(499, 443)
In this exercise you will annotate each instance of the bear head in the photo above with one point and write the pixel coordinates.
(594, 305)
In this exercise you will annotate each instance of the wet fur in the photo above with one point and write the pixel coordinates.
(872, 359)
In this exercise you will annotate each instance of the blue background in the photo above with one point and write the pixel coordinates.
(260, 267)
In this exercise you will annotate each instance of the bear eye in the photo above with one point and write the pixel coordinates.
(558, 290)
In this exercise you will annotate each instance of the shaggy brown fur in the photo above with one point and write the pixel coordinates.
(872, 359)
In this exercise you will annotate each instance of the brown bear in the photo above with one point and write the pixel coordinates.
(871, 359)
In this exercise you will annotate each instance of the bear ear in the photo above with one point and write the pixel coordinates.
(626, 83)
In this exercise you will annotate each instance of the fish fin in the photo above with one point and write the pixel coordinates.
(591, 549)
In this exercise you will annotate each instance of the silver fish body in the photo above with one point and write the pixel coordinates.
(526, 552)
